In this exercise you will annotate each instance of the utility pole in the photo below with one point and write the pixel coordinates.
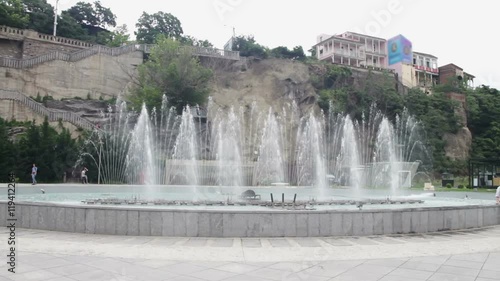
(55, 18)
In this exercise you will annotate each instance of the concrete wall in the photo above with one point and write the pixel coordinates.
(34, 44)
(11, 110)
(98, 75)
(11, 49)
(194, 223)
(33, 48)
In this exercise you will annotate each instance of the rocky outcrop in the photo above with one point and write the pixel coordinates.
(457, 146)
(267, 83)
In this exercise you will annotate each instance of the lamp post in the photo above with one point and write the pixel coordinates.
(55, 18)
(99, 168)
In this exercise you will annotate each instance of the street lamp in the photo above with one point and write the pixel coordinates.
(99, 167)
(55, 18)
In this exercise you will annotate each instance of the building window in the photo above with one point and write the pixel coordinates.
(414, 61)
(427, 64)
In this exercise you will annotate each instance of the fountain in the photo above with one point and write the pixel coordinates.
(252, 172)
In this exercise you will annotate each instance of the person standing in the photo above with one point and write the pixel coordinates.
(497, 195)
(34, 171)
(84, 175)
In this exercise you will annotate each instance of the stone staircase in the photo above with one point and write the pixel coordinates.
(98, 49)
(52, 115)
(70, 57)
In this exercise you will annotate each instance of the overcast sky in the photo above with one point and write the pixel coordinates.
(464, 33)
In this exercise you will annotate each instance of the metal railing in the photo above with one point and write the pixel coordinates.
(52, 115)
(98, 49)
(70, 57)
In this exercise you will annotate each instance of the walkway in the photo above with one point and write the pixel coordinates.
(472, 255)
(52, 115)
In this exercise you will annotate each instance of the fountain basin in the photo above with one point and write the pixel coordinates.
(231, 219)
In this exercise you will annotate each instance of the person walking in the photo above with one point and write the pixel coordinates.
(34, 171)
(497, 195)
(84, 175)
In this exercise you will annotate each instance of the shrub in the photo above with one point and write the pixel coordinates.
(460, 186)
(448, 185)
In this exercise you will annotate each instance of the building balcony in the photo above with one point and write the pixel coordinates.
(347, 54)
(433, 71)
(376, 52)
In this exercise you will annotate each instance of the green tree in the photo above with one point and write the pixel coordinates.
(174, 72)
(150, 26)
(68, 27)
(284, 53)
(119, 36)
(483, 115)
(8, 152)
(41, 15)
(247, 46)
(192, 41)
(94, 19)
(12, 13)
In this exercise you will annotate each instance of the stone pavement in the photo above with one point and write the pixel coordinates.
(461, 256)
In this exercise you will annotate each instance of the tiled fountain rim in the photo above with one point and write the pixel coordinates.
(275, 210)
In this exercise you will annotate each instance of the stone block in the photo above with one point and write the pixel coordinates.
(302, 224)
(461, 218)
(357, 224)
(471, 218)
(436, 220)
(406, 217)
(325, 224)
(397, 222)
(69, 219)
(51, 217)
(110, 227)
(451, 219)
(144, 223)
(419, 221)
(167, 227)
(156, 223)
(290, 225)
(203, 224)
(237, 225)
(132, 223)
(367, 223)
(259, 225)
(480, 222)
(100, 221)
(336, 224)
(388, 223)
(279, 225)
(121, 222)
(192, 224)
(60, 218)
(24, 215)
(34, 217)
(80, 220)
(347, 224)
(90, 220)
(313, 224)
(216, 225)
(378, 223)
(180, 224)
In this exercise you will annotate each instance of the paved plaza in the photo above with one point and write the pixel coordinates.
(472, 255)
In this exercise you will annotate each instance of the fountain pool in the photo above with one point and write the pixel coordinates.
(220, 212)
(184, 174)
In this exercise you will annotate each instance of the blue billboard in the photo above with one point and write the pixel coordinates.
(399, 50)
